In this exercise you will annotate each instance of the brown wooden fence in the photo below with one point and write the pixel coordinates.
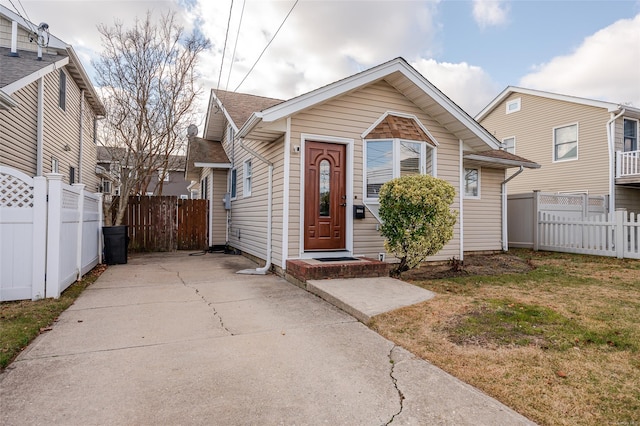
(166, 223)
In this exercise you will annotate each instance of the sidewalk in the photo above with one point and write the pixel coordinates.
(178, 339)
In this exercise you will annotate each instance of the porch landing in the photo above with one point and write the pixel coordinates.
(303, 270)
(361, 287)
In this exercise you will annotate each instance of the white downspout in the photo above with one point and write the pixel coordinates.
(612, 156)
(267, 266)
(40, 128)
(503, 185)
(461, 191)
(80, 153)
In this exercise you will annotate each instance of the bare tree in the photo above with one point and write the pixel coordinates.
(147, 75)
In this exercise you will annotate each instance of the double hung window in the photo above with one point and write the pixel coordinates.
(630, 135)
(565, 143)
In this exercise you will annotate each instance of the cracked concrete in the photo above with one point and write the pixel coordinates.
(395, 384)
(140, 347)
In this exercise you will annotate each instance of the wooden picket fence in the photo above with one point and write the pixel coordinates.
(616, 234)
(166, 223)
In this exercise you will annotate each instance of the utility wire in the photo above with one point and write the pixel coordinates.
(20, 14)
(224, 49)
(265, 48)
(233, 57)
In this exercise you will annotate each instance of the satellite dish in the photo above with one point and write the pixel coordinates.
(192, 130)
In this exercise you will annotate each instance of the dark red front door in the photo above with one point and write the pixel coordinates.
(325, 196)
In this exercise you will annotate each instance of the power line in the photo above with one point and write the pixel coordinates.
(224, 49)
(20, 14)
(233, 57)
(265, 48)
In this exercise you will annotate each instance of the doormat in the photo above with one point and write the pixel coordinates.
(335, 259)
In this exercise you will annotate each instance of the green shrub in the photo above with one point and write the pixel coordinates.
(417, 220)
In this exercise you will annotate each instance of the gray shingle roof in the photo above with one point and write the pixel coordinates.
(13, 68)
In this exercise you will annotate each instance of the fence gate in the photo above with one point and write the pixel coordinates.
(166, 223)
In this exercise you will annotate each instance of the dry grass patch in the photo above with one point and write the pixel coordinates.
(559, 343)
(22, 321)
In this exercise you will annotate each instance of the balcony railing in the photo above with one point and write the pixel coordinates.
(627, 164)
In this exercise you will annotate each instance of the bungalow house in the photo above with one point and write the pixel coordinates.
(583, 145)
(48, 105)
(299, 179)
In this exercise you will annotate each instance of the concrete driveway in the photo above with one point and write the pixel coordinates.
(177, 339)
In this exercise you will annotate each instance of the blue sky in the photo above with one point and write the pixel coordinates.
(471, 50)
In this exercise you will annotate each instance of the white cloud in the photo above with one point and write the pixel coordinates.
(489, 13)
(468, 86)
(321, 42)
(606, 66)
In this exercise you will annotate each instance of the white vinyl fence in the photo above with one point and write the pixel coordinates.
(523, 211)
(45, 245)
(616, 234)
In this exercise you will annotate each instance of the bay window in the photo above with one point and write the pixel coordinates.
(386, 159)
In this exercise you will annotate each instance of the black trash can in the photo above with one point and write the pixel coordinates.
(116, 241)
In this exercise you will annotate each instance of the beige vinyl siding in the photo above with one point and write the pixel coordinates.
(249, 214)
(533, 128)
(62, 128)
(89, 150)
(348, 117)
(628, 198)
(482, 217)
(18, 141)
(218, 182)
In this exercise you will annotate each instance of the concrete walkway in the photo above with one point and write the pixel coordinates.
(177, 339)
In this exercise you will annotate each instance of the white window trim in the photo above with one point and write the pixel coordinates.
(553, 143)
(247, 178)
(396, 164)
(55, 165)
(231, 133)
(464, 183)
(517, 101)
(514, 143)
(637, 131)
(233, 184)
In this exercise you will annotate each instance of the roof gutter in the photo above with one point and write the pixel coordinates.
(249, 125)
(6, 101)
(267, 266)
(503, 187)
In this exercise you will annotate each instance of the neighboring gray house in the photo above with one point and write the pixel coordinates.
(48, 105)
(174, 182)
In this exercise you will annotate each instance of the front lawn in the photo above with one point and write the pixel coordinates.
(558, 340)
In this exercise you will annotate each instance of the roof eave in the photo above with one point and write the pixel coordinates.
(86, 83)
(502, 161)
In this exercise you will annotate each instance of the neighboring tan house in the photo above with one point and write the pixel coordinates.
(109, 160)
(583, 145)
(48, 105)
(302, 176)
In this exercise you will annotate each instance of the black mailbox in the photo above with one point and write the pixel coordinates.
(358, 212)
